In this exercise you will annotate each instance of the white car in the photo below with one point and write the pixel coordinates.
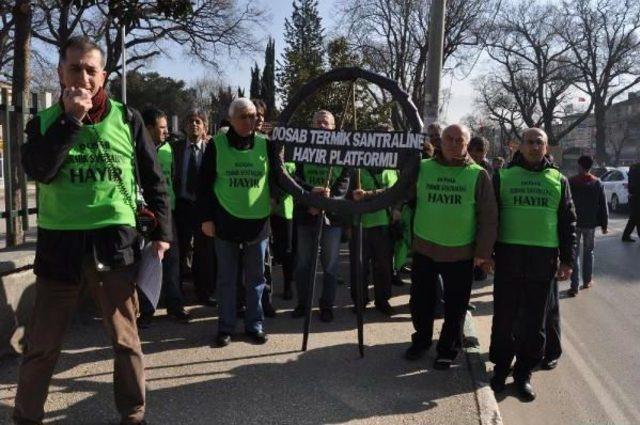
(616, 187)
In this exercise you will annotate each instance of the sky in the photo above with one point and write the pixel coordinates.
(237, 71)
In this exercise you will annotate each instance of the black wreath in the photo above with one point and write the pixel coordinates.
(381, 200)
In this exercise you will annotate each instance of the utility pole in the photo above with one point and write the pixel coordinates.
(434, 64)
(124, 65)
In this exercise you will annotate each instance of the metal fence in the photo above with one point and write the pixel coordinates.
(8, 115)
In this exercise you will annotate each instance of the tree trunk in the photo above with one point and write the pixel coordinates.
(600, 116)
(22, 13)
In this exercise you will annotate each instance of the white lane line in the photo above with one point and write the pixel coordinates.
(608, 392)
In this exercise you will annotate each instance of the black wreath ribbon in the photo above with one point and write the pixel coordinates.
(378, 201)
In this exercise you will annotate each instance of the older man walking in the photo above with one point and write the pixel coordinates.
(455, 228)
(536, 245)
(82, 152)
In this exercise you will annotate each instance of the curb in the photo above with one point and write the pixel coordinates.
(488, 411)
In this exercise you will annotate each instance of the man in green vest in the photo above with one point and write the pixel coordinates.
(536, 244)
(83, 152)
(330, 182)
(454, 230)
(234, 201)
(377, 246)
(155, 122)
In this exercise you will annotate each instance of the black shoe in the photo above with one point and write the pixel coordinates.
(628, 239)
(144, 321)
(471, 307)
(549, 364)
(499, 379)
(180, 315)
(415, 351)
(442, 363)
(385, 308)
(572, 292)
(240, 311)
(525, 390)
(223, 339)
(258, 337)
(142, 422)
(287, 294)
(269, 311)
(209, 301)
(326, 315)
(298, 312)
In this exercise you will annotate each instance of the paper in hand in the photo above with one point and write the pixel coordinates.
(150, 274)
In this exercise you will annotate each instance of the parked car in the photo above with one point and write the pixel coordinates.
(616, 187)
(600, 172)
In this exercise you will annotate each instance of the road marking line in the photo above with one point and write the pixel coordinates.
(602, 389)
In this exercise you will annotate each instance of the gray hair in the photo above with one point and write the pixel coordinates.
(239, 104)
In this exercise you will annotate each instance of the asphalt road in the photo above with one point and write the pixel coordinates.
(598, 378)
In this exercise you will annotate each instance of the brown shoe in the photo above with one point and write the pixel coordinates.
(587, 285)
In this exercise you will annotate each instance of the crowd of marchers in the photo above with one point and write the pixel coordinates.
(223, 223)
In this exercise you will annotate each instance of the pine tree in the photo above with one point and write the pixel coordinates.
(268, 86)
(303, 57)
(240, 92)
(254, 88)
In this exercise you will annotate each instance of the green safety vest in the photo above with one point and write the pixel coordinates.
(241, 184)
(284, 208)
(385, 180)
(316, 175)
(529, 203)
(165, 156)
(84, 194)
(446, 203)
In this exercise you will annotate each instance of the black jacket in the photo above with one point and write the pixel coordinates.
(59, 253)
(339, 190)
(229, 227)
(591, 203)
(534, 263)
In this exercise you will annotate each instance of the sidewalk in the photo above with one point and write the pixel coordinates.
(191, 382)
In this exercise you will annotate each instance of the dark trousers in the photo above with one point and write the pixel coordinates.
(283, 249)
(114, 291)
(520, 310)
(171, 292)
(553, 347)
(197, 252)
(634, 217)
(457, 278)
(377, 258)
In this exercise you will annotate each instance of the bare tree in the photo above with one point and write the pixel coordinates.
(605, 47)
(392, 36)
(211, 28)
(6, 37)
(619, 137)
(532, 70)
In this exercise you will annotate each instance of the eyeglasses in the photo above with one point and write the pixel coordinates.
(247, 116)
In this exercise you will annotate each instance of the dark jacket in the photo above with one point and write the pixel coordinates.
(591, 205)
(634, 180)
(178, 161)
(59, 253)
(534, 263)
(229, 227)
(339, 190)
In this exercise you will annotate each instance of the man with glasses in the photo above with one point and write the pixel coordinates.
(536, 233)
(234, 200)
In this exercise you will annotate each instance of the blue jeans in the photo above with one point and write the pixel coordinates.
(587, 235)
(329, 258)
(228, 254)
